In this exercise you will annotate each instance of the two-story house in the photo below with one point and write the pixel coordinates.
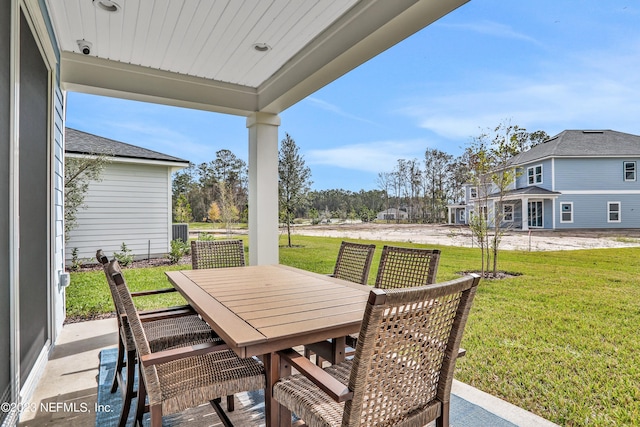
(577, 179)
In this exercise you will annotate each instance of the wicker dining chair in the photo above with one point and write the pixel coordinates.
(404, 268)
(354, 262)
(177, 379)
(407, 267)
(217, 254)
(165, 328)
(403, 367)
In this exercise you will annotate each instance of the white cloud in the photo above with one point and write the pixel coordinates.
(337, 110)
(373, 157)
(164, 139)
(589, 90)
(493, 29)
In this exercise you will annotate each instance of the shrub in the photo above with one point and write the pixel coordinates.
(178, 250)
(75, 260)
(124, 257)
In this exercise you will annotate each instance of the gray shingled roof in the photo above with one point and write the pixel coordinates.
(582, 143)
(79, 142)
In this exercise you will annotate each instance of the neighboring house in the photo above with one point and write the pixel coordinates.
(392, 214)
(131, 203)
(577, 179)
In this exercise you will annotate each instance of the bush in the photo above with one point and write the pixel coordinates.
(76, 263)
(125, 257)
(178, 250)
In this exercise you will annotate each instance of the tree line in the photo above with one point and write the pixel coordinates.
(422, 188)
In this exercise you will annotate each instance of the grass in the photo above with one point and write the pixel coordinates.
(215, 226)
(561, 340)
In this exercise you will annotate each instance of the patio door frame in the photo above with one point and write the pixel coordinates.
(22, 386)
(530, 209)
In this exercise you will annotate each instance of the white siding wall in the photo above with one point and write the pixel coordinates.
(132, 205)
(58, 211)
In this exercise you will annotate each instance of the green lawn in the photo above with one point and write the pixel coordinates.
(560, 340)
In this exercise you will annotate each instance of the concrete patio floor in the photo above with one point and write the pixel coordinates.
(68, 388)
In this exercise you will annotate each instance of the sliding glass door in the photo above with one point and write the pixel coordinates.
(535, 214)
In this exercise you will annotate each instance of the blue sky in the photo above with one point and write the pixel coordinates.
(544, 65)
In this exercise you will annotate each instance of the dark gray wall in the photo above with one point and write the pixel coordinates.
(5, 332)
(34, 243)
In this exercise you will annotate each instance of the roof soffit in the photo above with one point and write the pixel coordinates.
(352, 33)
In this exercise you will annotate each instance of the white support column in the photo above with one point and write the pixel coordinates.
(263, 188)
(525, 214)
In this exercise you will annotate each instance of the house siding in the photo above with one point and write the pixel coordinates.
(128, 205)
(547, 175)
(58, 207)
(590, 210)
(594, 174)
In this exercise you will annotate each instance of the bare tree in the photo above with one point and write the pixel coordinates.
(414, 178)
(384, 184)
(436, 170)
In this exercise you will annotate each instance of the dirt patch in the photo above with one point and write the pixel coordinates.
(452, 235)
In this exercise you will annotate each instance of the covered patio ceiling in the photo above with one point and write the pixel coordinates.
(228, 56)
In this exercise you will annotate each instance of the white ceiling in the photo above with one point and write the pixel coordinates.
(200, 53)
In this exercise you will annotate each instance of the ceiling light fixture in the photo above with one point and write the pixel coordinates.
(106, 5)
(261, 47)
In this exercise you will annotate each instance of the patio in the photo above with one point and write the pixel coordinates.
(67, 393)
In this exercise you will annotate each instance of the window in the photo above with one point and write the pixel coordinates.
(461, 215)
(473, 192)
(507, 213)
(613, 209)
(629, 171)
(534, 175)
(566, 212)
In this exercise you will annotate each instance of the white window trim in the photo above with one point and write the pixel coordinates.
(513, 208)
(473, 190)
(534, 174)
(561, 212)
(624, 170)
(542, 213)
(609, 211)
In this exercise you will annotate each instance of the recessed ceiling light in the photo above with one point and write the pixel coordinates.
(261, 47)
(106, 5)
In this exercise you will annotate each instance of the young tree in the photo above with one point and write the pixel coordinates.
(490, 154)
(182, 210)
(228, 211)
(294, 181)
(79, 172)
(504, 146)
(214, 212)
(477, 155)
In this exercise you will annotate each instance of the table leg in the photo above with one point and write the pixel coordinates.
(275, 414)
(337, 349)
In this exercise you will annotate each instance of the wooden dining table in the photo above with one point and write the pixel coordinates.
(259, 310)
